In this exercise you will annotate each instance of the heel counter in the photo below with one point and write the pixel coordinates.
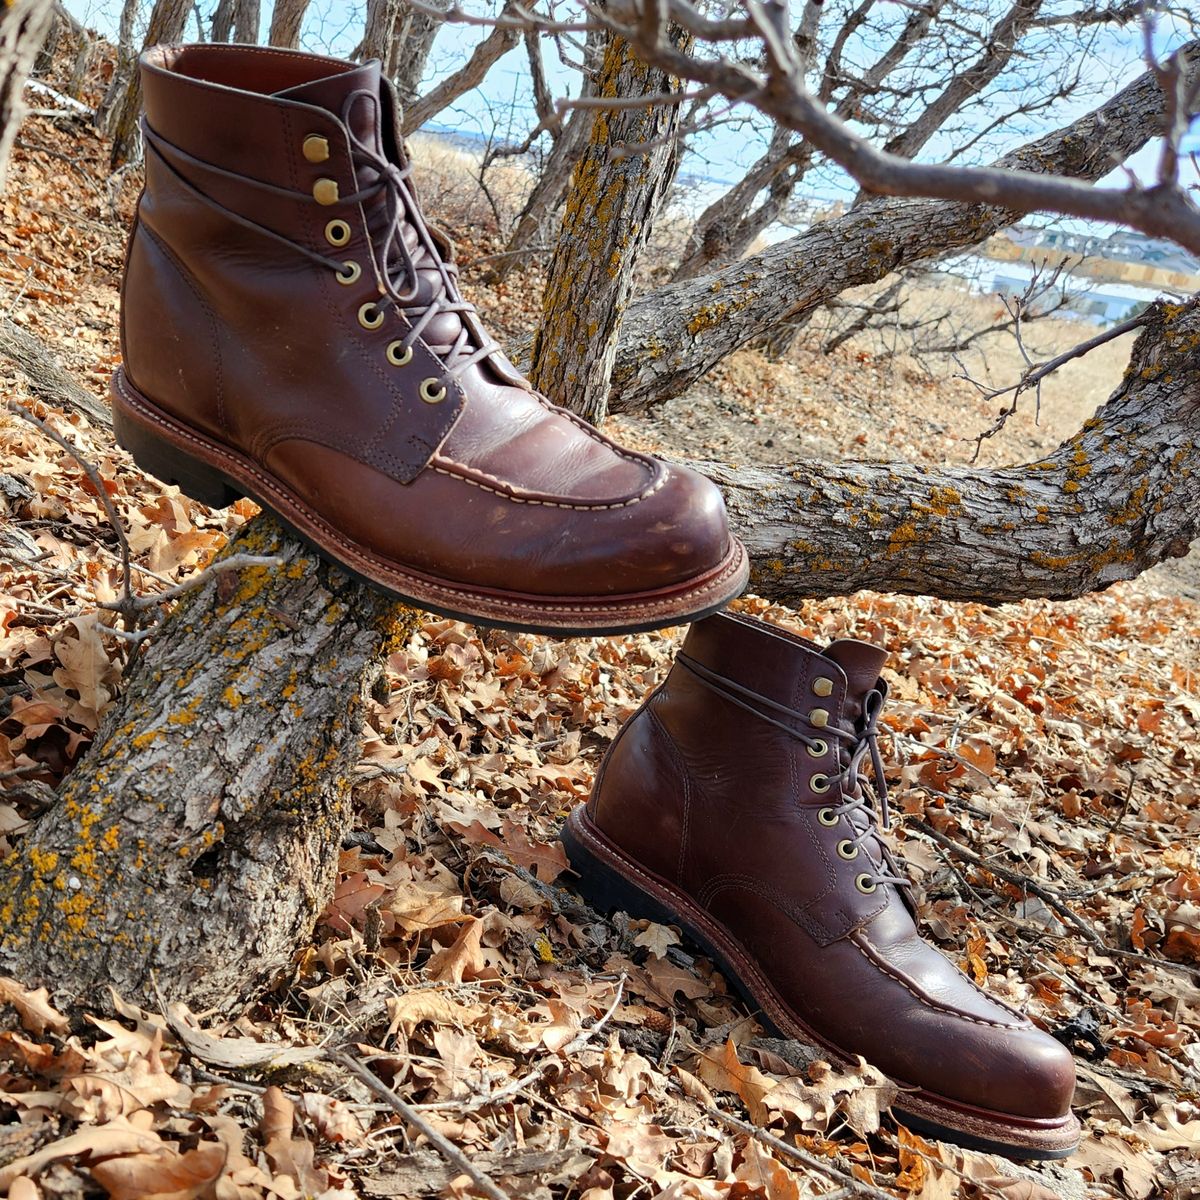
(642, 796)
(170, 345)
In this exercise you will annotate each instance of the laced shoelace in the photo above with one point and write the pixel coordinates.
(854, 804)
(397, 267)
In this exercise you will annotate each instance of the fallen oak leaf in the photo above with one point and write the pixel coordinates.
(658, 939)
(288, 1155)
(122, 1135)
(36, 1012)
(333, 1119)
(165, 1174)
(463, 959)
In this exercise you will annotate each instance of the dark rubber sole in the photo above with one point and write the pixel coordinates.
(217, 476)
(607, 882)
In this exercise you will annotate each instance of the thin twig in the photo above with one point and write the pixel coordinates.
(1050, 896)
(235, 562)
(448, 1149)
(126, 606)
(824, 1166)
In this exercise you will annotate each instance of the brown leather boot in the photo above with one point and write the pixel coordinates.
(292, 331)
(731, 805)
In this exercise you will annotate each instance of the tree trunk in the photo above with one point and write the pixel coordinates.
(125, 67)
(222, 20)
(727, 228)
(246, 21)
(409, 52)
(676, 334)
(498, 43)
(543, 203)
(379, 30)
(719, 235)
(23, 28)
(287, 18)
(610, 209)
(196, 843)
(168, 19)
(1120, 496)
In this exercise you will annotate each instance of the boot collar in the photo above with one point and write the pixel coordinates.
(826, 684)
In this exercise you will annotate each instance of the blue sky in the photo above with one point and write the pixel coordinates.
(502, 106)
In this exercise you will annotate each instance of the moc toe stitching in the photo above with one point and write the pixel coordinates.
(868, 951)
(499, 487)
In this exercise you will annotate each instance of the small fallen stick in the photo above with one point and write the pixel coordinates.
(448, 1149)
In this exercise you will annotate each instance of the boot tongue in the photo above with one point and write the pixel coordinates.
(862, 663)
(330, 94)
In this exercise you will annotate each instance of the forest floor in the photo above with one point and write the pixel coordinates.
(1051, 747)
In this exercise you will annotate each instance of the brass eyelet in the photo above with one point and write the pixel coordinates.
(325, 192)
(819, 784)
(432, 392)
(865, 884)
(315, 148)
(827, 817)
(847, 850)
(338, 232)
(822, 685)
(349, 273)
(398, 354)
(819, 718)
(369, 316)
(819, 748)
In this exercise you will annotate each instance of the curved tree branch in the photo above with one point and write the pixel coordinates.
(1120, 496)
(674, 335)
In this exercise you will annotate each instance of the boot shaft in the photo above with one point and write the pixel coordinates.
(730, 769)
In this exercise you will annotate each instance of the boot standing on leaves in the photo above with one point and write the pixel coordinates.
(733, 805)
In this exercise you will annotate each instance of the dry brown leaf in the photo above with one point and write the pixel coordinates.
(163, 1175)
(333, 1119)
(36, 1012)
(123, 1135)
(461, 960)
(288, 1155)
(721, 1069)
(658, 939)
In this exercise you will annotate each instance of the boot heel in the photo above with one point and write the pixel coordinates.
(159, 458)
(606, 890)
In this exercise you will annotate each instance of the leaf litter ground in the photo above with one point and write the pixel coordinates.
(1045, 761)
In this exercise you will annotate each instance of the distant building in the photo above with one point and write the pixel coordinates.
(1122, 246)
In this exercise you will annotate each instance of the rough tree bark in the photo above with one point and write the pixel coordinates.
(247, 18)
(287, 18)
(125, 66)
(674, 335)
(409, 54)
(222, 20)
(1120, 496)
(23, 28)
(197, 842)
(610, 210)
(547, 193)
(498, 43)
(379, 31)
(168, 19)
